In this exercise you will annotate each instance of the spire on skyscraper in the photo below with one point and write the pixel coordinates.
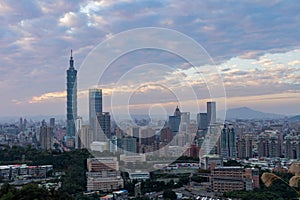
(177, 112)
(71, 60)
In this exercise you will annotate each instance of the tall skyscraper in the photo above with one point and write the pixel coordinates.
(135, 132)
(185, 121)
(202, 121)
(71, 99)
(85, 137)
(228, 142)
(46, 136)
(103, 126)
(21, 123)
(166, 135)
(95, 106)
(211, 112)
(52, 122)
(244, 146)
(174, 121)
(78, 125)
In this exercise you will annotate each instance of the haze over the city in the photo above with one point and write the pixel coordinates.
(255, 46)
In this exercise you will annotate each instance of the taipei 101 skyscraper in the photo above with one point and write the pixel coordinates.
(71, 102)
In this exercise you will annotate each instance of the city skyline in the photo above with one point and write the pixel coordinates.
(257, 56)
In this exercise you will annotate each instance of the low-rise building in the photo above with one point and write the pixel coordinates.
(208, 161)
(224, 179)
(103, 174)
(139, 175)
(9, 172)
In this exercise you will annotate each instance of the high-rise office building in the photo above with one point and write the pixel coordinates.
(135, 132)
(78, 125)
(177, 112)
(113, 144)
(103, 133)
(71, 100)
(166, 135)
(202, 121)
(211, 113)
(95, 106)
(147, 136)
(46, 136)
(21, 124)
(52, 122)
(129, 145)
(244, 146)
(174, 121)
(185, 121)
(228, 142)
(85, 137)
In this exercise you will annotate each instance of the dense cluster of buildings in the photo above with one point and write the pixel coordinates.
(234, 139)
(23, 171)
(204, 137)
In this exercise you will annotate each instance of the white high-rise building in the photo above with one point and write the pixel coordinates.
(184, 121)
(95, 106)
(85, 137)
(211, 112)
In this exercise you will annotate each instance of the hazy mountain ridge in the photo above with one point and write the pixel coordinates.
(35, 118)
(232, 113)
(248, 113)
(294, 118)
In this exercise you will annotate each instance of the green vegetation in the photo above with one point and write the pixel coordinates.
(155, 185)
(278, 190)
(186, 159)
(72, 164)
(151, 186)
(232, 163)
(199, 179)
(31, 191)
(169, 194)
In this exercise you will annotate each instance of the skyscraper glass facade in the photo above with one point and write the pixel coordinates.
(71, 98)
(95, 106)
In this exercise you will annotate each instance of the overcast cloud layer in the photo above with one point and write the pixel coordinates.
(255, 45)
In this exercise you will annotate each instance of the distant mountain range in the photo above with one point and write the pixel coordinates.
(248, 113)
(294, 118)
(35, 118)
(232, 113)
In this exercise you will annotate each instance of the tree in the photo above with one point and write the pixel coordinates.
(169, 194)
(232, 163)
(7, 188)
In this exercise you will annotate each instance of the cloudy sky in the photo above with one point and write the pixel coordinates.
(253, 45)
